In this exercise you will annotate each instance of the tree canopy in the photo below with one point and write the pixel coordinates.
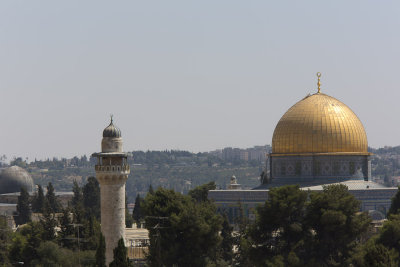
(181, 230)
(297, 228)
(334, 216)
(91, 197)
(200, 193)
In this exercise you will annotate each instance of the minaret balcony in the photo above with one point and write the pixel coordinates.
(113, 168)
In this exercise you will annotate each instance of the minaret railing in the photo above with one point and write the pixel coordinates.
(112, 168)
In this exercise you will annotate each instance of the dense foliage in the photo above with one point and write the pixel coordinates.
(182, 231)
(293, 228)
(298, 228)
(5, 239)
(38, 243)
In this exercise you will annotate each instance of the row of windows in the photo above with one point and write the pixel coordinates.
(318, 168)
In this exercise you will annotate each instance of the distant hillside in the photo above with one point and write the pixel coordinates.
(178, 170)
(183, 170)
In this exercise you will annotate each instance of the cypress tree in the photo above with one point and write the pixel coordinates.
(51, 198)
(151, 190)
(67, 230)
(23, 208)
(227, 240)
(77, 204)
(137, 210)
(77, 199)
(48, 222)
(101, 252)
(38, 202)
(120, 255)
(91, 197)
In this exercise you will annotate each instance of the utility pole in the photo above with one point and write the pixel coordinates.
(157, 235)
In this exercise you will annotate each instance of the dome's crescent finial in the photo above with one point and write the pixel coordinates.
(111, 116)
(319, 82)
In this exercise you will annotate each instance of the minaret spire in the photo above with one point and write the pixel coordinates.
(319, 82)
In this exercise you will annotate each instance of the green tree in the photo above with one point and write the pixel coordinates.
(241, 240)
(48, 222)
(200, 193)
(137, 210)
(77, 198)
(373, 254)
(334, 217)
(23, 208)
(78, 209)
(17, 247)
(91, 229)
(66, 229)
(52, 199)
(101, 252)
(280, 228)
(227, 240)
(38, 201)
(395, 206)
(298, 228)
(5, 240)
(151, 190)
(91, 197)
(18, 162)
(120, 255)
(25, 243)
(389, 235)
(182, 232)
(50, 254)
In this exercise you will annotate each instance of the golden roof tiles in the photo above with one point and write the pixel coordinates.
(319, 124)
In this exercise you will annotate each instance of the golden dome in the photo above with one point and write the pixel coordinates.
(319, 124)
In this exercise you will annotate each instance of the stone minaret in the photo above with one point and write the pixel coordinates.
(112, 171)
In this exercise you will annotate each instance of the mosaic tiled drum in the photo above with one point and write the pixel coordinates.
(319, 140)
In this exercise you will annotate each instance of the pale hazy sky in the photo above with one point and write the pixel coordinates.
(189, 75)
